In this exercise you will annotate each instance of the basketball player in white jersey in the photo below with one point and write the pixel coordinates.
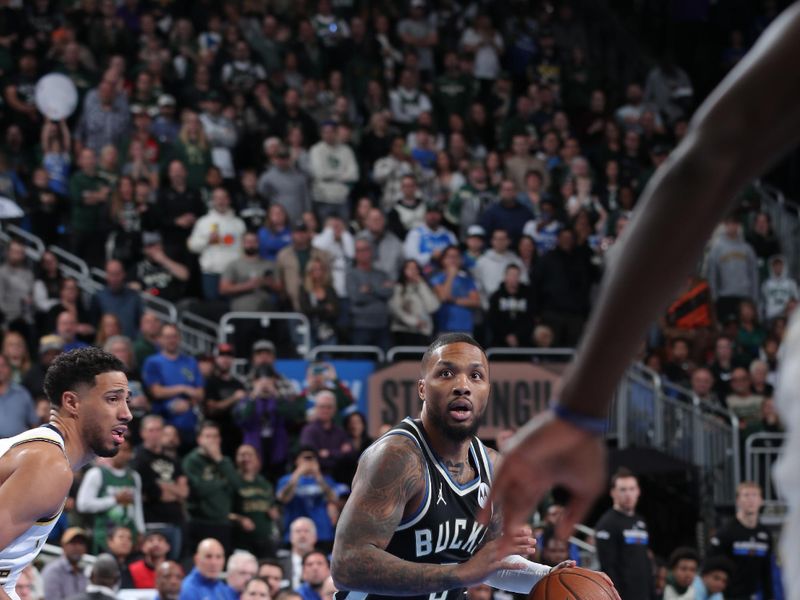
(409, 527)
(749, 121)
(89, 394)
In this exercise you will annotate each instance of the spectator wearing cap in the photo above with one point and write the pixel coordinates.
(165, 128)
(292, 260)
(508, 214)
(307, 492)
(543, 229)
(334, 170)
(425, 243)
(490, 268)
(217, 238)
(408, 210)
(368, 290)
(250, 282)
(475, 242)
(223, 390)
(283, 184)
(19, 413)
(220, 132)
(271, 415)
(157, 273)
(467, 204)
(155, 548)
(387, 246)
(64, 577)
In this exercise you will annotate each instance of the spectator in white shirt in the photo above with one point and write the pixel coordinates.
(217, 238)
(333, 170)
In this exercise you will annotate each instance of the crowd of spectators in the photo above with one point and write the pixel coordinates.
(390, 170)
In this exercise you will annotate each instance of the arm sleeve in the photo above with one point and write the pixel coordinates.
(137, 504)
(88, 500)
(518, 581)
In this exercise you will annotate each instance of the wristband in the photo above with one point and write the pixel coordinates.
(593, 425)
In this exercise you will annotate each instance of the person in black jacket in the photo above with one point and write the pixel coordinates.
(622, 540)
(511, 311)
(563, 280)
(748, 544)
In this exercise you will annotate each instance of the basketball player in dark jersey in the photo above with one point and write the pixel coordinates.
(409, 527)
(749, 121)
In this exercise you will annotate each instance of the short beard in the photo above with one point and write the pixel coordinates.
(94, 438)
(453, 433)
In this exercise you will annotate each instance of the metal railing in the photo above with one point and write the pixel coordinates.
(761, 451)
(198, 334)
(414, 352)
(34, 247)
(652, 413)
(549, 353)
(347, 351)
(300, 328)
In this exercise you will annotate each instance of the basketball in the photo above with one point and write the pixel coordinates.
(574, 584)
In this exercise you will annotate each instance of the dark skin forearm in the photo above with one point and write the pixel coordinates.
(735, 135)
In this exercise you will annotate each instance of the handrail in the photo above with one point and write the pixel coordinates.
(341, 349)
(303, 328)
(395, 350)
(78, 264)
(492, 352)
(161, 306)
(35, 244)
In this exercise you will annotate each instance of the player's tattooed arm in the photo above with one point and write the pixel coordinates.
(495, 527)
(390, 475)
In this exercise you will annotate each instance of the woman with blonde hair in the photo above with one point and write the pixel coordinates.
(108, 327)
(15, 349)
(193, 150)
(319, 302)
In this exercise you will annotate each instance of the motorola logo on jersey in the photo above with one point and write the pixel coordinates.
(483, 494)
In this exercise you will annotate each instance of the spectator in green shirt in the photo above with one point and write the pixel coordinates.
(213, 481)
(88, 195)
